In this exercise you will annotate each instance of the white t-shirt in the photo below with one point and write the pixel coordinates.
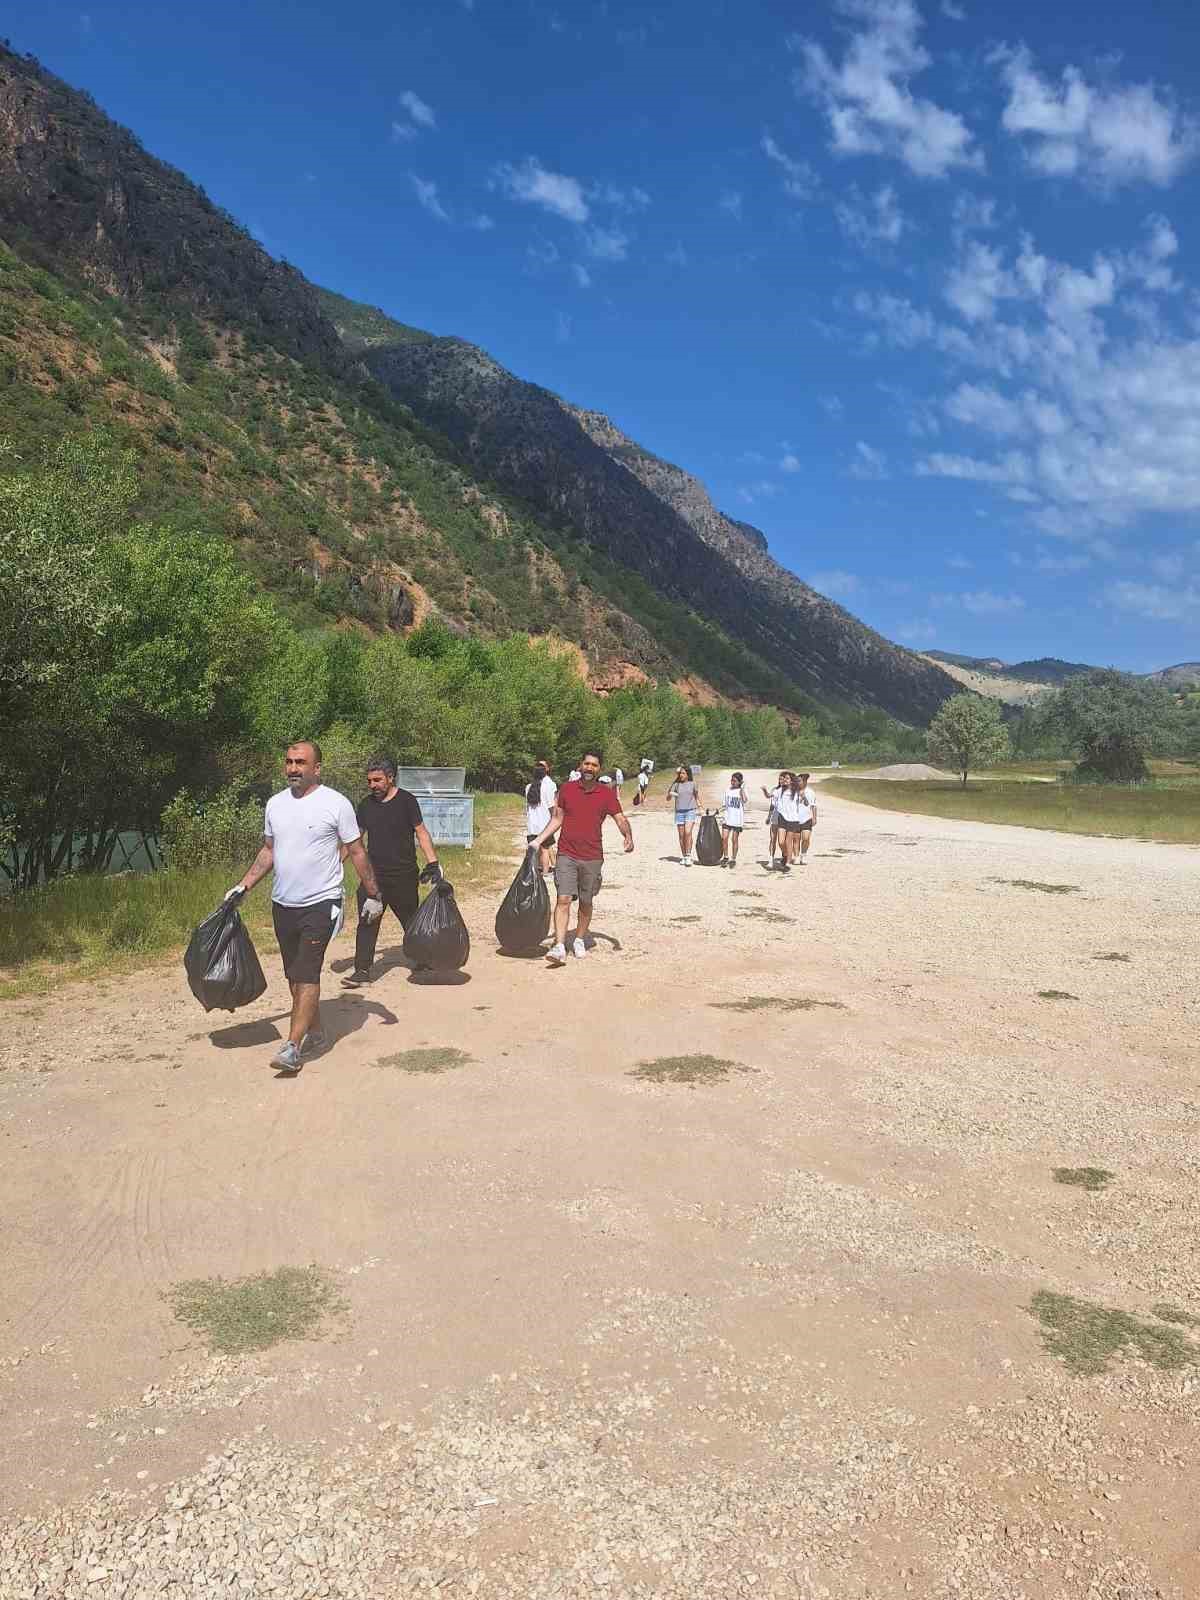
(793, 806)
(537, 817)
(618, 777)
(643, 780)
(306, 834)
(735, 812)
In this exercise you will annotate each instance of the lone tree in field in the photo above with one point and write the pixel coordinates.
(968, 732)
(1112, 721)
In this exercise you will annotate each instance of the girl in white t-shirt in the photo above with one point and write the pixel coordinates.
(808, 796)
(795, 817)
(733, 808)
(772, 795)
(539, 800)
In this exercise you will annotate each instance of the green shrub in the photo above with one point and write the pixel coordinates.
(222, 831)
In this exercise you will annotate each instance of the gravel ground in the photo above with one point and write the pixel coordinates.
(762, 1336)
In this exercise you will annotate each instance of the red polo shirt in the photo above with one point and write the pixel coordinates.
(583, 819)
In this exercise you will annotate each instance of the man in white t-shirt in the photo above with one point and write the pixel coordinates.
(808, 798)
(304, 828)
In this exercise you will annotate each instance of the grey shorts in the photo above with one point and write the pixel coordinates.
(580, 878)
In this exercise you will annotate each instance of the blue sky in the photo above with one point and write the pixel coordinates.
(913, 287)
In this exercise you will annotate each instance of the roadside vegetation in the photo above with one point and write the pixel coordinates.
(1168, 810)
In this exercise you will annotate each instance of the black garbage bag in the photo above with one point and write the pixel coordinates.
(222, 965)
(708, 840)
(437, 936)
(523, 919)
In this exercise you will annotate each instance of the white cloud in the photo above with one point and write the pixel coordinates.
(606, 244)
(731, 203)
(481, 222)
(831, 405)
(835, 584)
(1158, 602)
(582, 276)
(917, 633)
(533, 184)
(791, 463)
(427, 195)
(959, 563)
(978, 281)
(867, 99)
(543, 252)
(954, 12)
(1111, 135)
(418, 110)
(799, 179)
(609, 194)
(402, 131)
(878, 220)
(868, 463)
(982, 407)
(979, 602)
(760, 489)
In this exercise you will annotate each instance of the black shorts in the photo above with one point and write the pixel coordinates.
(547, 844)
(303, 932)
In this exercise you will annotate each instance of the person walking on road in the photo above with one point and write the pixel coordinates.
(304, 829)
(733, 809)
(685, 792)
(578, 818)
(539, 799)
(772, 795)
(793, 815)
(643, 783)
(392, 821)
(808, 796)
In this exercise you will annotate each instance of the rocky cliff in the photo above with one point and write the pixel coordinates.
(653, 517)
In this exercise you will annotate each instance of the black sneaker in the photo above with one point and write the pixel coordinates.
(356, 980)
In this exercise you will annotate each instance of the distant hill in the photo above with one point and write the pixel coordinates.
(1046, 670)
(1185, 676)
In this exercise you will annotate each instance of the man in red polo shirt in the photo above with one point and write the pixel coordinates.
(578, 818)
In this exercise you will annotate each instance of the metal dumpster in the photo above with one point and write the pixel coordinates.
(448, 810)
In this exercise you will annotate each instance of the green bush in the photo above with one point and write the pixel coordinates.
(224, 830)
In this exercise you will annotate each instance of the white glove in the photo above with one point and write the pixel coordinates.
(372, 909)
(234, 894)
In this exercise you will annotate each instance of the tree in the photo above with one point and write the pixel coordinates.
(1112, 721)
(968, 732)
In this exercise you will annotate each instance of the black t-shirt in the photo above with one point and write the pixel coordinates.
(388, 825)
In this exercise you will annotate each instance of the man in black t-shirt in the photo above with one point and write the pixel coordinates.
(391, 819)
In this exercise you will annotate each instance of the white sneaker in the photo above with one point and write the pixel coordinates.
(579, 949)
(557, 957)
(687, 861)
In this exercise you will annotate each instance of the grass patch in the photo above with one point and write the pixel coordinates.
(256, 1312)
(82, 927)
(1056, 994)
(1167, 813)
(746, 894)
(763, 915)
(687, 919)
(434, 1059)
(1039, 888)
(1093, 1179)
(1110, 955)
(1168, 1313)
(686, 1069)
(772, 1002)
(1086, 1337)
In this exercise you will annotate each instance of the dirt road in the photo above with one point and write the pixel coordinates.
(768, 1334)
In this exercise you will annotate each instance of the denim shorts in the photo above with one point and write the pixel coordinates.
(682, 818)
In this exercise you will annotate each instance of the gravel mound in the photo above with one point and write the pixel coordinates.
(904, 772)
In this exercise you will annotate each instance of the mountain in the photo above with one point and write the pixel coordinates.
(1046, 671)
(369, 472)
(1184, 677)
(581, 472)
